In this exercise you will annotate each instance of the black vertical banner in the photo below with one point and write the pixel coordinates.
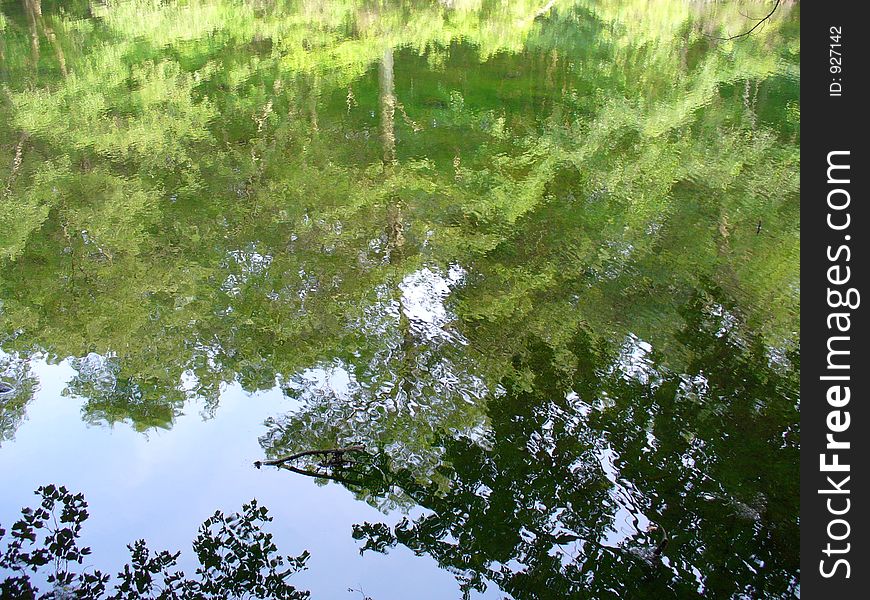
(835, 421)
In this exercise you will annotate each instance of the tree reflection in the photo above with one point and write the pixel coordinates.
(408, 384)
(583, 455)
(181, 212)
(511, 248)
(17, 383)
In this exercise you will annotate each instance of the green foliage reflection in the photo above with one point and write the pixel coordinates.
(435, 224)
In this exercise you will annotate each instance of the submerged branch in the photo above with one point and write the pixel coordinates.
(280, 461)
(754, 27)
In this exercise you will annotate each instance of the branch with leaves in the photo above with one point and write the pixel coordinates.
(237, 558)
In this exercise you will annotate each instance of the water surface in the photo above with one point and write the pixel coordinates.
(539, 258)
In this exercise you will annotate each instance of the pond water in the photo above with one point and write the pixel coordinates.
(539, 259)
